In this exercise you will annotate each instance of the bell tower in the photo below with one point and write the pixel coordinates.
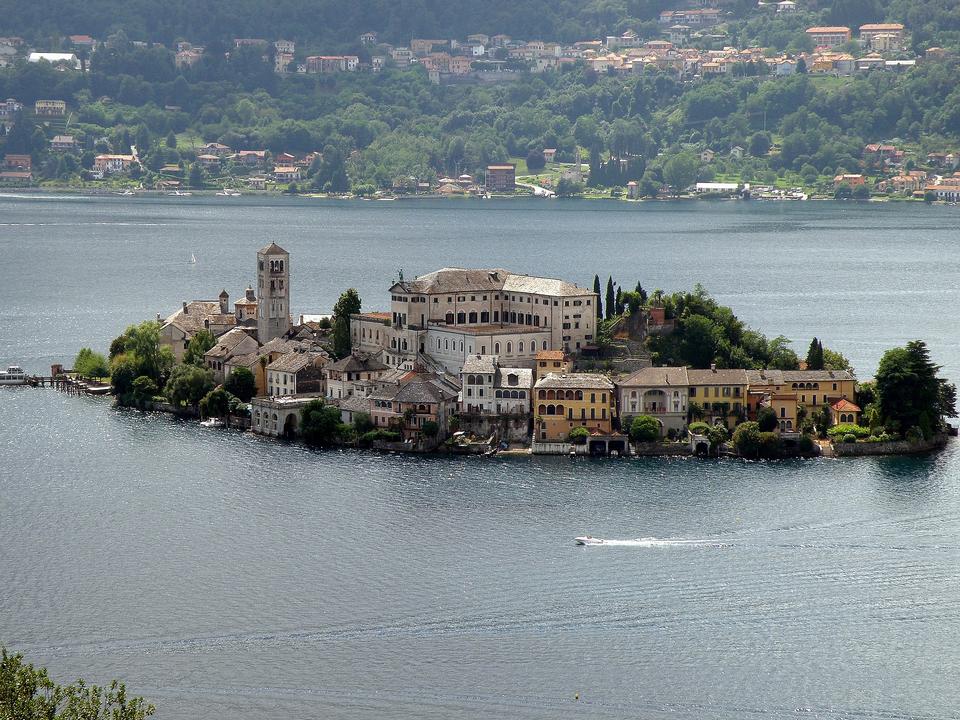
(273, 290)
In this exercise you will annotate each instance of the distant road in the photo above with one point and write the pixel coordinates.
(537, 190)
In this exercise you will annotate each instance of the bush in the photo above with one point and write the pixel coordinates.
(430, 429)
(806, 444)
(838, 431)
(578, 436)
(143, 388)
(644, 429)
(746, 439)
(241, 383)
(771, 445)
(849, 438)
(362, 422)
(369, 438)
(698, 428)
(188, 384)
(91, 364)
(767, 420)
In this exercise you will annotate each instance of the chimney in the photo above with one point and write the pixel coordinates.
(185, 311)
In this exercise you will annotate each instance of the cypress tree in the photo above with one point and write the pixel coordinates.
(596, 289)
(815, 355)
(619, 301)
(611, 298)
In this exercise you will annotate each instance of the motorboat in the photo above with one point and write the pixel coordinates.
(13, 375)
(179, 193)
(212, 423)
(588, 540)
(228, 192)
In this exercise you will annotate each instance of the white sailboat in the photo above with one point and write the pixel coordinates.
(193, 259)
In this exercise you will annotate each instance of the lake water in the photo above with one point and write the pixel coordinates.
(223, 575)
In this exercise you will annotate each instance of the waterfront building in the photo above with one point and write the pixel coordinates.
(50, 108)
(721, 394)
(232, 343)
(487, 388)
(180, 327)
(405, 400)
(785, 391)
(453, 313)
(258, 360)
(660, 392)
(273, 284)
(501, 178)
(353, 375)
(564, 402)
(843, 412)
(297, 373)
(279, 415)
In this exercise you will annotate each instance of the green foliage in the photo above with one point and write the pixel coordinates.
(815, 358)
(91, 364)
(680, 171)
(143, 389)
(746, 440)
(806, 445)
(215, 404)
(767, 420)
(28, 693)
(569, 188)
(347, 305)
(578, 436)
(241, 383)
(430, 429)
(844, 429)
(536, 160)
(781, 357)
(848, 438)
(698, 428)
(372, 436)
(141, 345)
(362, 422)
(320, 424)
(861, 192)
(770, 445)
(599, 294)
(644, 428)
(610, 302)
(188, 384)
(124, 369)
(202, 341)
(909, 392)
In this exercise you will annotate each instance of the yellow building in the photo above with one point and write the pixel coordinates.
(567, 401)
(721, 393)
(552, 361)
(787, 390)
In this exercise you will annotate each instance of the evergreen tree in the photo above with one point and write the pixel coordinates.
(596, 289)
(815, 355)
(641, 292)
(910, 395)
(611, 298)
(619, 301)
(347, 305)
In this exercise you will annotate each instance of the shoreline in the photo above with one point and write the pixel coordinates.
(70, 191)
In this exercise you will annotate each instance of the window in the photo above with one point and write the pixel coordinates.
(593, 397)
(496, 348)
(484, 317)
(520, 347)
(509, 348)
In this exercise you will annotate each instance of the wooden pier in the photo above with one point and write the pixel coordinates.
(70, 384)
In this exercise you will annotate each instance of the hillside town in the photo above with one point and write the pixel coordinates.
(485, 359)
(687, 46)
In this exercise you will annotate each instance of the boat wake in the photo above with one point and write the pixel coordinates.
(652, 542)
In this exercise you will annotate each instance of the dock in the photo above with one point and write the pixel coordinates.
(71, 384)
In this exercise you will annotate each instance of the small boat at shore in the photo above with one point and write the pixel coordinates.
(588, 540)
(13, 375)
(212, 423)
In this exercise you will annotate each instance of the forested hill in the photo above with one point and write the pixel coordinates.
(336, 24)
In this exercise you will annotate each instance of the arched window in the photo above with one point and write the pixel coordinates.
(520, 347)
(514, 395)
(544, 344)
(523, 395)
(579, 394)
(542, 410)
(816, 386)
(449, 318)
(542, 394)
(461, 318)
(551, 395)
(484, 316)
(438, 343)
(570, 395)
(633, 393)
(551, 410)
(473, 317)
(404, 344)
(560, 410)
(498, 394)
(496, 348)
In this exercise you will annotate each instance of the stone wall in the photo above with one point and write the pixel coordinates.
(506, 428)
(897, 447)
